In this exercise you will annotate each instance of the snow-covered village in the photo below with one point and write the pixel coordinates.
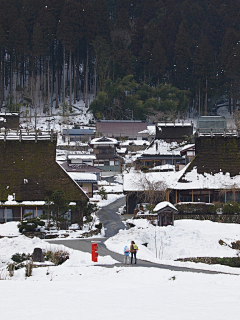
(119, 159)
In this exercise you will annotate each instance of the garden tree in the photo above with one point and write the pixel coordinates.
(59, 207)
(150, 191)
(84, 210)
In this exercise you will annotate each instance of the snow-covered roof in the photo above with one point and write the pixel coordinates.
(135, 143)
(163, 167)
(82, 156)
(104, 140)
(176, 124)
(219, 180)
(162, 147)
(186, 147)
(162, 205)
(139, 181)
(82, 176)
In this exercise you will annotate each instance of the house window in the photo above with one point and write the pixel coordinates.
(9, 215)
(106, 163)
(103, 150)
(116, 163)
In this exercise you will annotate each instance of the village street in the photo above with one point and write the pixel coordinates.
(113, 223)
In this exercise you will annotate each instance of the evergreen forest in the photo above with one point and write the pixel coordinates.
(134, 57)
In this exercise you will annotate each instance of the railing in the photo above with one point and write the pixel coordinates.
(21, 135)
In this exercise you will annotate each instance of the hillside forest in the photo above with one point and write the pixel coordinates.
(134, 57)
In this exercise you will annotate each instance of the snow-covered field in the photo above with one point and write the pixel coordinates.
(80, 288)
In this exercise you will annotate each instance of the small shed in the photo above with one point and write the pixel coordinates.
(165, 212)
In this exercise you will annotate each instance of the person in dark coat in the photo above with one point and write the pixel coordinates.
(133, 250)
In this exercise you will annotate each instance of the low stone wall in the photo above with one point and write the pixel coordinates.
(224, 218)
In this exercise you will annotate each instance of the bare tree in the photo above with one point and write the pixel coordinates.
(150, 191)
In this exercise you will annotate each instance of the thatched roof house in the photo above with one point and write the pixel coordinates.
(28, 171)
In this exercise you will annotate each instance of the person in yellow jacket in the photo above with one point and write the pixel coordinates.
(133, 250)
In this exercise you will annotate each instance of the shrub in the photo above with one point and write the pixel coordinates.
(231, 262)
(196, 208)
(99, 226)
(57, 257)
(30, 224)
(103, 194)
(144, 169)
(20, 257)
(231, 208)
(236, 245)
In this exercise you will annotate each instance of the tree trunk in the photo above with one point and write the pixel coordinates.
(206, 100)
(48, 87)
(56, 106)
(70, 78)
(64, 74)
(86, 81)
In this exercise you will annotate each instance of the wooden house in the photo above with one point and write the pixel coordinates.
(30, 174)
(107, 159)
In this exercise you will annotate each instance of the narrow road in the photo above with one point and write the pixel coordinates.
(113, 223)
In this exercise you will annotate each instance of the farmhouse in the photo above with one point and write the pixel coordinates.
(213, 175)
(29, 174)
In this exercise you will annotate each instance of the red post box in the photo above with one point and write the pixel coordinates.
(94, 252)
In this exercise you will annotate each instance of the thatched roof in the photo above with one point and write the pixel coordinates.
(29, 170)
(217, 154)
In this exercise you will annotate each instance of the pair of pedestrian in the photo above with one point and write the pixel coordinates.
(133, 251)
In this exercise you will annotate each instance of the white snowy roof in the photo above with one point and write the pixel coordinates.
(162, 205)
(82, 156)
(82, 176)
(162, 147)
(208, 181)
(176, 124)
(104, 140)
(163, 167)
(151, 130)
(139, 181)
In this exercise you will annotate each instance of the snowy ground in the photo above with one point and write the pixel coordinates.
(81, 289)
(187, 239)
